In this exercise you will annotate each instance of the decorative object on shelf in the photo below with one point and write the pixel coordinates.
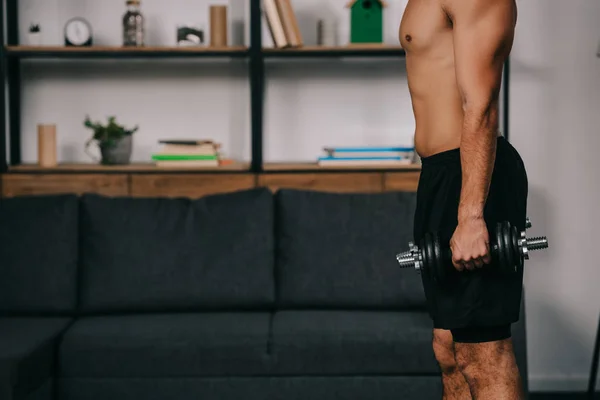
(188, 35)
(282, 23)
(78, 33)
(188, 153)
(47, 145)
(326, 32)
(218, 26)
(34, 35)
(367, 156)
(366, 21)
(114, 140)
(133, 25)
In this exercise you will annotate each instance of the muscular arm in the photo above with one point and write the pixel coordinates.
(483, 35)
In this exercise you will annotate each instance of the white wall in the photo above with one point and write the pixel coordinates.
(555, 106)
(555, 115)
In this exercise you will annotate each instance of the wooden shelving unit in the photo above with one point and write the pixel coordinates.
(307, 175)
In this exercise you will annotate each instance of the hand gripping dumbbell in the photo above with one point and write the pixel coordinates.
(509, 250)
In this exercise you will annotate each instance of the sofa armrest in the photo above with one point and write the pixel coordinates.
(27, 353)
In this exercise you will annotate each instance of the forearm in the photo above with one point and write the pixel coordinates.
(478, 154)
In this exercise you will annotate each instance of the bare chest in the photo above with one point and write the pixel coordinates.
(425, 27)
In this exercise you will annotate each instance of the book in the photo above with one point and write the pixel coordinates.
(368, 149)
(275, 23)
(289, 22)
(363, 163)
(185, 142)
(188, 164)
(369, 154)
(175, 149)
(187, 153)
(358, 162)
(267, 35)
(183, 157)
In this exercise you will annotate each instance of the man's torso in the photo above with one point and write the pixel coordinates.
(426, 35)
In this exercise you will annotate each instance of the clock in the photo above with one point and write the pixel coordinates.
(78, 32)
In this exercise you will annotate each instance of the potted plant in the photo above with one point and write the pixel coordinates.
(113, 139)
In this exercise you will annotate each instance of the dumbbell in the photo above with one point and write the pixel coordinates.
(509, 250)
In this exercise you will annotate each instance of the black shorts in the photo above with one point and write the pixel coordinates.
(476, 305)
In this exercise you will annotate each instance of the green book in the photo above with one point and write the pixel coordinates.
(181, 157)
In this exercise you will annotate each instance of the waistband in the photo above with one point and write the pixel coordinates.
(452, 157)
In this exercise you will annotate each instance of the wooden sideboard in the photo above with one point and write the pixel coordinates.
(193, 185)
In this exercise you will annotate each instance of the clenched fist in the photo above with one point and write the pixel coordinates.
(470, 245)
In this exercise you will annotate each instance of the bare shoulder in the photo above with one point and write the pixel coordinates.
(495, 11)
(486, 27)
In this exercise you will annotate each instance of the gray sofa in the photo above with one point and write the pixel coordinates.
(245, 295)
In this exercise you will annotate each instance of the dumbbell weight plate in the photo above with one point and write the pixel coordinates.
(429, 257)
(424, 262)
(509, 267)
(501, 259)
(440, 265)
(519, 259)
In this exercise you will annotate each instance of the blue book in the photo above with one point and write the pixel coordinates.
(329, 158)
(367, 149)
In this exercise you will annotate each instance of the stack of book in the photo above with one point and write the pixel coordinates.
(282, 23)
(187, 153)
(366, 156)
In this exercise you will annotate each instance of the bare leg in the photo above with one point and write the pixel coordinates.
(455, 385)
(490, 370)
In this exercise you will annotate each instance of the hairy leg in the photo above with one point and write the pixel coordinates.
(455, 385)
(490, 369)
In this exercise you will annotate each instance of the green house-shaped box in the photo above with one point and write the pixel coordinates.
(366, 21)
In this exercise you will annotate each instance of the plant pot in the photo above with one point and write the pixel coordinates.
(34, 38)
(118, 153)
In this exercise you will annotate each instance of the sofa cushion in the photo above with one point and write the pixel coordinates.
(353, 343)
(166, 346)
(163, 254)
(27, 353)
(382, 387)
(38, 254)
(339, 250)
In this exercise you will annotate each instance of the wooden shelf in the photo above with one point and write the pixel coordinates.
(289, 167)
(123, 52)
(130, 168)
(363, 50)
(366, 50)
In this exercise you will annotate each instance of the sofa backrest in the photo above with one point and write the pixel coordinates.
(242, 250)
(337, 250)
(159, 254)
(38, 254)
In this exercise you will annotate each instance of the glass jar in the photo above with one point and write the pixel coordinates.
(133, 25)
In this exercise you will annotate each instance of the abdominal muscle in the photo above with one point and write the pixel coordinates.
(437, 105)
